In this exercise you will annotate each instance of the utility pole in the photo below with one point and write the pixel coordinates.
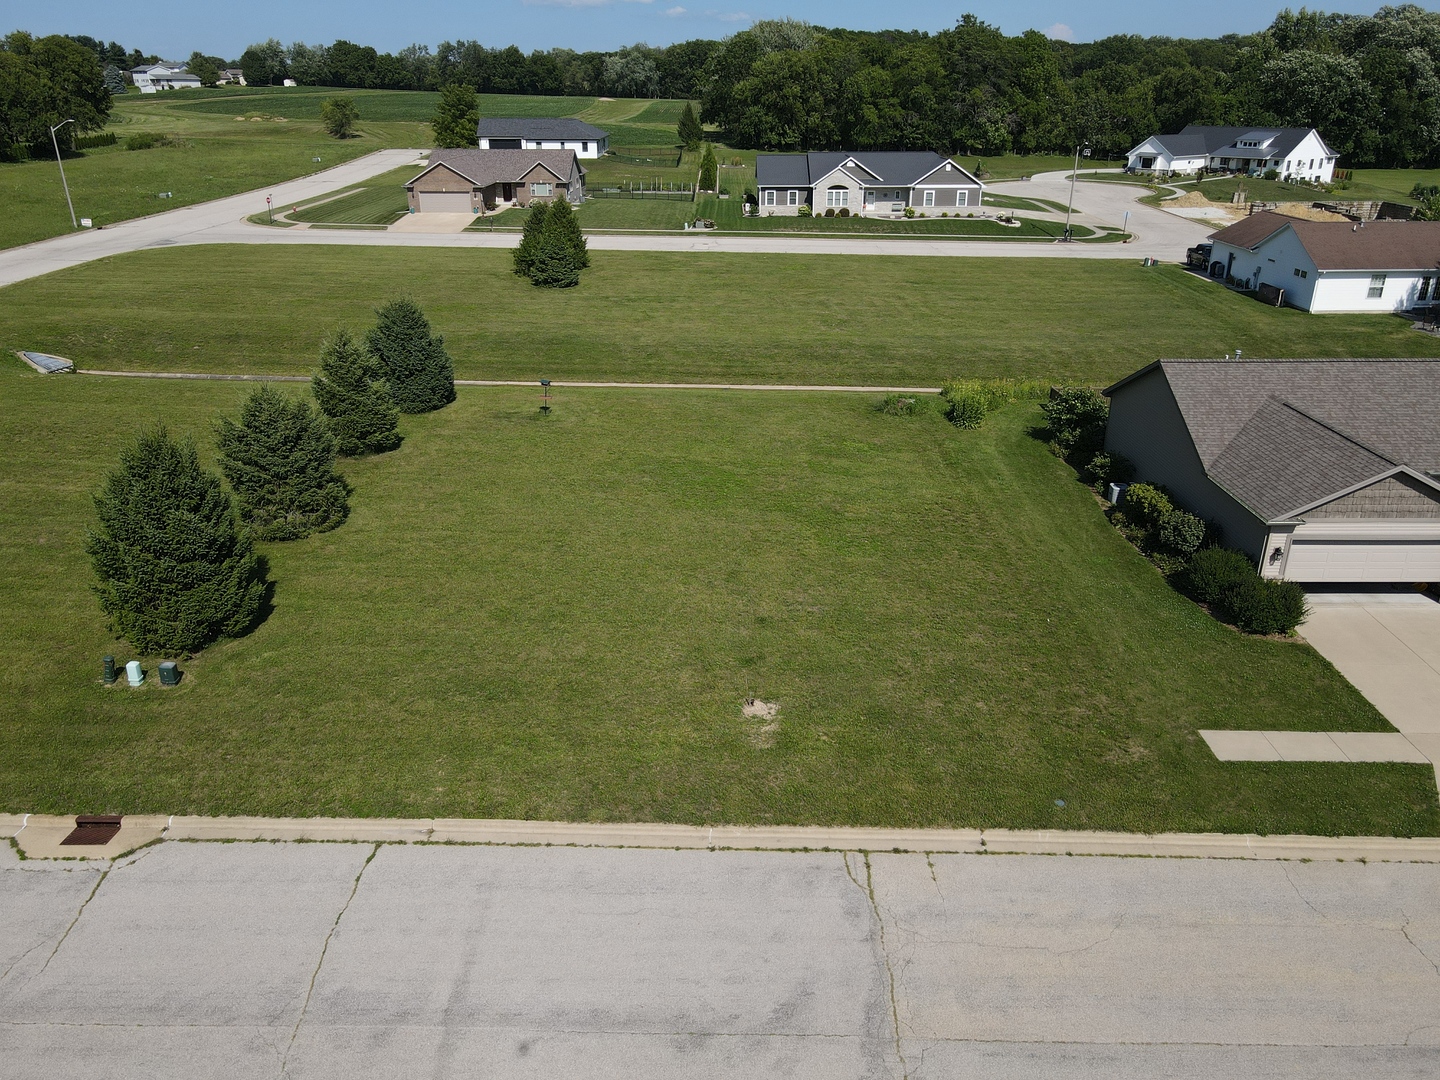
(63, 182)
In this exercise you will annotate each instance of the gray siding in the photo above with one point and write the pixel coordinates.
(1146, 427)
(1394, 497)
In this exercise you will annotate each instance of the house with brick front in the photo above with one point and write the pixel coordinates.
(476, 181)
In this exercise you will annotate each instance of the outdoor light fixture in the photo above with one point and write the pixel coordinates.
(1085, 148)
(63, 182)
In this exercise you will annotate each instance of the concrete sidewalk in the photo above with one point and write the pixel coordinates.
(360, 960)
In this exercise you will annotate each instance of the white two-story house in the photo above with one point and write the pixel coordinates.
(1293, 153)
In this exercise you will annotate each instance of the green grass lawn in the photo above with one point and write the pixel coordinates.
(378, 201)
(234, 139)
(672, 316)
(1013, 166)
(560, 618)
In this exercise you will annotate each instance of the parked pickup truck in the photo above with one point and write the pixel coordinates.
(1199, 256)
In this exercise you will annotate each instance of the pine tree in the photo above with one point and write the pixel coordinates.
(709, 169)
(457, 117)
(530, 238)
(417, 368)
(115, 80)
(563, 223)
(175, 573)
(689, 129)
(555, 265)
(280, 461)
(357, 403)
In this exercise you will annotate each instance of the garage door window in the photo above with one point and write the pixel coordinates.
(1377, 286)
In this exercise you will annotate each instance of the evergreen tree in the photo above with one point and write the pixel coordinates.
(689, 128)
(418, 370)
(457, 116)
(562, 222)
(115, 80)
(174, 571)
(530, 238)
(709, 169)
(555, 265)
(357, 403)
(280, 461)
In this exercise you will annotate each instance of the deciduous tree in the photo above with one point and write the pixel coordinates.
(339, 116)
(457, 116)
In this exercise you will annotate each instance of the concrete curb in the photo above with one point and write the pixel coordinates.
(766, 838)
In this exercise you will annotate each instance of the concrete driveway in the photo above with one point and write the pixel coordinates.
(1387, 643)
(360, 960)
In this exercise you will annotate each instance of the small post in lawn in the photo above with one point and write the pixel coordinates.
(270, 210)
(545, 400)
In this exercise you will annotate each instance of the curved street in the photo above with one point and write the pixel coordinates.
(1158, 234)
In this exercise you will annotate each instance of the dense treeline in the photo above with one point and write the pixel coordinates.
(44, 81)
(1368, 82)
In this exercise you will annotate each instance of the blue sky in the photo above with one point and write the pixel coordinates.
(173, 28)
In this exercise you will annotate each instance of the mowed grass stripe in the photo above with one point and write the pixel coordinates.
(560, 617)
(662, 317)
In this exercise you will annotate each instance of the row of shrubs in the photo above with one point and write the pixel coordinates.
(1183, 546)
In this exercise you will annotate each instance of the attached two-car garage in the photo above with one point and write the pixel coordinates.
(1362, 552)
(446, 202)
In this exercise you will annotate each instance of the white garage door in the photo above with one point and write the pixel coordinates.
(445, 202)
(1361, 560)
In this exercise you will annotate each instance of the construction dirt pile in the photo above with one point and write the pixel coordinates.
(1307, 211)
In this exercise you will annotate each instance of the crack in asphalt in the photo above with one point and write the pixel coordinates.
(1286, 870)
(869, 890)
(1405, 933)
(85, 903)
(314, 975)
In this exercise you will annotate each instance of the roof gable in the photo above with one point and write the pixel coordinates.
(486, 167)
(901, 168)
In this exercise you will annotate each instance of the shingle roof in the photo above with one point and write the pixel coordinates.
(1283, 459)
(1345, 245)
(1201, 140)
(487, 167)
(1281, 434)
(537, 127)
(899, 167)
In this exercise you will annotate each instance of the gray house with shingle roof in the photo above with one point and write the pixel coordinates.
(542, 133)
(1320, 470)
(879, 182)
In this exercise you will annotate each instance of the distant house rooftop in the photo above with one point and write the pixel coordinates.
(540, 127)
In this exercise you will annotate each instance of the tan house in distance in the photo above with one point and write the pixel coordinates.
(463, 181)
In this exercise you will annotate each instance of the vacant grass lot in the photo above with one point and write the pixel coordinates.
(560, 618)
(378, 201)
(234, 139)
(672, 316)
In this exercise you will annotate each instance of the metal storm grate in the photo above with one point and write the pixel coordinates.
(94, 829)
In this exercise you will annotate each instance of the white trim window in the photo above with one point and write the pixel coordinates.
(837, 197)
(769, 196)
(792, 198)
(962, 198)
(541, 190)
(1377, 287)
(930, 198)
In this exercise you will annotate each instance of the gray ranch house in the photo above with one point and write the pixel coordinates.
(1319, 470)
(476, 181)
(881, 183)
(542, 133)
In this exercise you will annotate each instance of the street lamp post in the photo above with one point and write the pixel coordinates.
(63, 182)
(1071, 204)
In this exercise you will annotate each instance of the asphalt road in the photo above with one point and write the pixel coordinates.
(350, 960)
(1157, 234)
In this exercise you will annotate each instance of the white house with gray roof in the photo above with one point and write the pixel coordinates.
(880, 182)
(542, 133)
(1294, 153)
(1320, 470)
